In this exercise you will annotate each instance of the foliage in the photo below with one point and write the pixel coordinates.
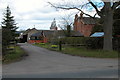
(54, 46)
(68, 34)
(54, 41)
(95, 43)
(42, 43)
(98, 27)
(89, 42)
(116, 43)
(74, 40)
(5, 39)
(8, 29)
(116, 28)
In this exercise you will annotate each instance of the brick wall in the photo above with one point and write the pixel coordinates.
(85, 29)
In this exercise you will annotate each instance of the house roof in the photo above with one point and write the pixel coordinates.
(29, 30)
(46, 33)
(58, 33)
(97, 34)
(36, 34)
(88, 20)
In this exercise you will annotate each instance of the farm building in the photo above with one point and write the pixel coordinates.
(84, 24)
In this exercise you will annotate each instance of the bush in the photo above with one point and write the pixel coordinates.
(42, 43)
(54, 46)
(74, 40)
(90, 42)
(54, 41)
(116, 43)
(94, 43)
(97, 43)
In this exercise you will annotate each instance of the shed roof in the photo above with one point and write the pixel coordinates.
(59, 33)
(97, 34)
(46, 33)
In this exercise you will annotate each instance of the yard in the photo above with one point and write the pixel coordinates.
(80, 51)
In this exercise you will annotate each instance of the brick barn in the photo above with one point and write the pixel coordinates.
(83, 24)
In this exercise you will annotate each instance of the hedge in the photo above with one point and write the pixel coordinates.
(74, 40)
(90, 42)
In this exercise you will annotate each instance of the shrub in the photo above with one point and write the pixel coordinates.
(54, 41)
(94, 43)
(54, 46)
(74, 40)
(90, 42)
(97, 43)
(116, 43)
(42, 43)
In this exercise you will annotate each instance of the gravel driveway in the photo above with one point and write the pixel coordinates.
(43, 63)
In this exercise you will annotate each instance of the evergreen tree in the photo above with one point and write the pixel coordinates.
(8, 29)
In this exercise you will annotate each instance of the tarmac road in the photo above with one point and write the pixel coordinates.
(43, 63)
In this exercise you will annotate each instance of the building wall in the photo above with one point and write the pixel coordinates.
(38, 41)
(30, 33)
(85, 29)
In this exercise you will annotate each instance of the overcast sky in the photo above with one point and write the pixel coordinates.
(36, 13)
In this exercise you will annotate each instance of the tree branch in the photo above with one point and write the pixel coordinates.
(99, 13)
(68, 8)
(116, 4)
(95, 14)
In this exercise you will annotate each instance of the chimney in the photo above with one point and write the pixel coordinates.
(81, 15)
(76, 16)
(56, 28)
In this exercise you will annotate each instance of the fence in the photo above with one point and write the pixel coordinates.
(89, 42)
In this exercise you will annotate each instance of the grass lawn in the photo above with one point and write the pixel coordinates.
(83, 52)
(14, 55)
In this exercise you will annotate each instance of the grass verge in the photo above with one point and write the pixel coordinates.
(83, 52)
(14, 55)
(90, 53)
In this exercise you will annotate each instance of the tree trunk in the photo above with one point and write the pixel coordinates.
(107, 24)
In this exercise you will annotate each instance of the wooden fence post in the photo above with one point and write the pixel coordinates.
(60, 45)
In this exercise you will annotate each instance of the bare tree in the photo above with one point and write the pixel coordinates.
(105, 13)
(66, 24)
(66, 20)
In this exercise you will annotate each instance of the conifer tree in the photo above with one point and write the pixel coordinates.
(8, 29)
